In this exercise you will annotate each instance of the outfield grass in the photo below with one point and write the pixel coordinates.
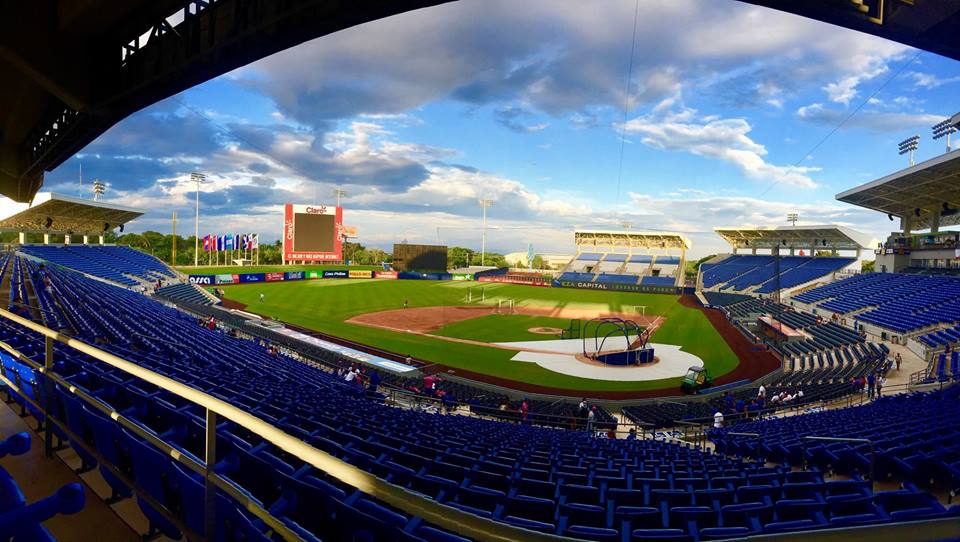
(217, 270)
(324, 305)
(501, 328)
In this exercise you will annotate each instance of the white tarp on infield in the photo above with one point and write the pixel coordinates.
(673, 361)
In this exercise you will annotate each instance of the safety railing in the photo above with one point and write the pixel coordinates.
(412, 503)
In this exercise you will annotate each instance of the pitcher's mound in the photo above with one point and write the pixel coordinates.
(545, 330)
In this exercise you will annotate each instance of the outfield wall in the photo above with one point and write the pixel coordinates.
(248, 278)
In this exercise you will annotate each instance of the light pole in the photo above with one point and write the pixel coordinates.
(199, 179)
(792, 218)
(338, 193)
(484, 203)
(911, 144)
(945, 128)
(98, 189)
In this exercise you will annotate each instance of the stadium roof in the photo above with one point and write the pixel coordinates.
(804, 237)
(918, 191)
(631, 239)
(70, 215)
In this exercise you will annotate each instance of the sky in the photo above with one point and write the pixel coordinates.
(719, 120)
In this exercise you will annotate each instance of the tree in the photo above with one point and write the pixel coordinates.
(459, 257)
(537, 262)
(490, 259)
(868, 266)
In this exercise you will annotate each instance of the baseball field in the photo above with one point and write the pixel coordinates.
(455, 324)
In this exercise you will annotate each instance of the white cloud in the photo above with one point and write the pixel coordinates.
(929, 80)
(870, 120)
(717, 138)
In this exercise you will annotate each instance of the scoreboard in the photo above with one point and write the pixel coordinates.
(312, 233)
(408, 257)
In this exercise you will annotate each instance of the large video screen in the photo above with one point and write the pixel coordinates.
(315, 233)
(408, 257)
(312, 233)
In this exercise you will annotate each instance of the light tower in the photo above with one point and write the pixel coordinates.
(98, 189)
(198, 178)
(338, 193)
(945, 128)
(910, 145)
(484, 203)
(792, 218)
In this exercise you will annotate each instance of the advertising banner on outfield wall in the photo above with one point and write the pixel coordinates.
(462, 276)
(314, 274)
(618, 287)
(293, 275)
(273, 277)
(386, 275)
(250, 277)
(202, 280)
(227, 279)
(360, 274)
(335, 274)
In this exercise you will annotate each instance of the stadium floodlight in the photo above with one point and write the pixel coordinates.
(98, 189)
(484, 203)
(909, 145)
(792, 218)
(338, 193)
(198, 178)
(945, 128)
(626, 224)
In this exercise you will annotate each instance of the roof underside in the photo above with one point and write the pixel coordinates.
(69, 216)
(918, 192)
(630, 240)
(797, 237)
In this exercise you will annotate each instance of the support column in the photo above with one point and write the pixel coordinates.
(23, 238)
(86, 239)
(101, 240)
(754, 251)
(935, 221)
(46, 238)
(66, 239)
(906, 224)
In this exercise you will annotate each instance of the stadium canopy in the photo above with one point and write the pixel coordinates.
(628, 240)
(926, 195)
(68, 215)
(810, 238)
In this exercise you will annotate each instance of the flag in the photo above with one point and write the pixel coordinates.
(206, 243)
(256, 240)
(228, 242)
(236, 241)
(219, 243)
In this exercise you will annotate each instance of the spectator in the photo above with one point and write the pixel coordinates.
(717, 419)
(351, 374)
(762, 392)
(741, 407)
(871, 385)
(211, 324)
(591, 417)
(582, 411)
(632, 434)
(898, 359)
(374, 381)
(880, 382)
(524, 410)
(728, 403)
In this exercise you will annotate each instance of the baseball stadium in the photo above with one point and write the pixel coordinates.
(678, 362)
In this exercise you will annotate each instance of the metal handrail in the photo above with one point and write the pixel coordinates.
(447, 517)
(873, 454)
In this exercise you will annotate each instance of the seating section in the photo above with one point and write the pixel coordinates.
(916, 438)
(20, 520)
(742, 273)
(659, 281)
(184, 293)
(609, 268)
(723, 299)
(114, 263)
(895, 301)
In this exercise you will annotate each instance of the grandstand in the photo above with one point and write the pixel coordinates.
(797, 257)
(627, 260)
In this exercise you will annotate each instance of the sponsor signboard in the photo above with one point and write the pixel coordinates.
(386, 274)
(273, 277)
(293, 275)
(201, 279)
(226, 279)
(619, 287)
(314, 274)
(509, 280)
(335, 274)
(250, 277)
(462, 276)
(360, 274)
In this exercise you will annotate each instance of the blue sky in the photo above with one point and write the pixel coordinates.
(419, 115)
